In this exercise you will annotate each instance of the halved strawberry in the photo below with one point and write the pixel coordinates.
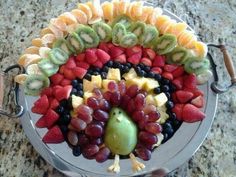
(134, 50)
(50, 118)
(170, 68)
(156, 70)
(70, 63)
(54, 103)
(149, 53)
(54, 135)
(198, 101)
(65, 82)
(178, 72)
(146, 61)
(41, 105)
(83, 64)
(98, 64)
(104, 46)
(56, 78)
(167, 75)
(79, 72)
(63, 93)
(61, 70)
(196, 92)
(55, 88)
(46, 91)
(192, 114)
(69, 74)
(178, 82)
(121, 58)
(90, 56)
(184, 96)
(103, 56)
(80, 57)
(41, 123)
(174, 98)
(159, 61)
(178, 110)
(115, 51)
(190, 81)
(135, 58)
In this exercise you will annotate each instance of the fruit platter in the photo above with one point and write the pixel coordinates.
(116, 87)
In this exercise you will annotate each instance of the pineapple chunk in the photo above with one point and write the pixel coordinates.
(113, 74)
(87, 95)
(136, 81)
(105, 83)
(97, 81)
(160, 99)
(150, 100)
(150, 84)
(88, 86)
(130, 75)
(76, 101)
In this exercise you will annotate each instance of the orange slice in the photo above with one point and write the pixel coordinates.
(56, 31)
(58, 23)
(200, 49)
(80, 16)
(45, 31)
(115, 7)
(129, 11)
(187, 39)
(43, 52)
(161, 20)
(94, 20)
(48, 39)
(122, 7)
(68, 18)
(85, 8)
(95, 8)
(147, 10)
(178, 28)
(20, 79)
(27, 59)
(107, 8)
(166, 26)
(32, 50)
(152, 18)
(37, 42)
(137, 9)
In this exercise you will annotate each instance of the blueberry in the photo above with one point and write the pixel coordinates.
(116, 64)
(172, 88)
(150, 74)
(60, 109)
(76, 151)
(96, 69)
(141, 73)
(165, 88)
(125, 69)
(105, 69)
(109, 64)
(64, 119)
(80, 86)
(166, 125)
(158, 77)
(165, 81)
(169, 104)
(73, 91)
(169, 131)
(95, 73)
(121, 67)
(64, 103)
(157, 90)
(168, 95)
(172, 115)
(104, 75)
(176, 124)
(64, 130)
(165, 137)
(129, 65)
(88, 76)
(80, 93)
(74, 83)
(146, 68)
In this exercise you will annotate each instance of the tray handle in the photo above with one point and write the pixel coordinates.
(15, 88)
(229, 66)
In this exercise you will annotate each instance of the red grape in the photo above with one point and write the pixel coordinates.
(143, 122)
(132, 91)
(93, 103)
(104, 105)
(153, 127)
(124, 101)
(148, 138)
(153, 116)
(138, 115)
(143, 92)
(122, 87)
(102, 155)
(78, 124)
(86, 118)
(143, 153)
(97, 92)
(130, 107)
(72, 137)
(90, 150)
(107, 95)
(149, 108)
(96, 141)
(112, 86)
(115, 99)
(139, 101)
(82, 139)
(94, 130)
(100, 115)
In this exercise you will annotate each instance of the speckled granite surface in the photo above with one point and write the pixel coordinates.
(20, 21)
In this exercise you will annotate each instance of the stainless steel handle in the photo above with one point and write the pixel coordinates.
(15, 87)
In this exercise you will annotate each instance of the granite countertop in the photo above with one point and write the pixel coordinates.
(21, 21)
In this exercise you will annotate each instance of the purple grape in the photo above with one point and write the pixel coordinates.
(143, 153)
(102, 155)
(90, 150)
(94, 130)
(146, 137)
(100, 115)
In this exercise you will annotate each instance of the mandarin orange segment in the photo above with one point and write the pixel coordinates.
(115, 7)
(178, 28)
(80, 16)
(107, 8)
(95, 8)
(20, 79)
(137, 9)
(48, 39)
(32, 50)
(27, 59)
(187, 38)
(152, 18)
(56, 31)
(145, 13)
(129, 11)
(72, 28)
(43, 51)
(58, 23)
(166, 26)
(162, 19)
(122, 7)
(68, 18)
(86, 9)
(45, 31)
(200, 49)
(37, 42)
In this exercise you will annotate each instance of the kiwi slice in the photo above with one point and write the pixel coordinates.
(196, 65)
(58, 56)
(64, 45)
(103, 31)
(128, 40)
(177, 56)
(123, 19)
(35, 83)
(165, 44)
(48, 67)
(88, 36)
(149, 36)
(118, 32)
(138, 28)
(76, 42)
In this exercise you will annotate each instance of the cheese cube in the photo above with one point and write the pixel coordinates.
(97, 81)
(113, 74)
(160, 99)
(76, 101)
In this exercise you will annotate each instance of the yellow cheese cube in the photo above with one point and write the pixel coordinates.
(88, 86)
(87, 95)
(105, 83)
(97, 81)
(113, 74)
(76, 101)
(160, 99)
(130, 75)
(150, 84)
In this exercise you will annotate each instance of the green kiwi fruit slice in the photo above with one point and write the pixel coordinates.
(64, 45)
(196, 65)
(58, 56)
(165, 44)
(123, 19)
(76, 42)
(35, 83)
(88, 36)
(103, 31)
(149, 36)
(128, 40)
(48, 67)
(138, 28)
(178, 55)
(118, 32)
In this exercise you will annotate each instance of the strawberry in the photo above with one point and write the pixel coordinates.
(79, 72)
(196, 92)
(69, 74)
(184, 96)
(198, 101)
(55, 88)
(178, 110)
(80, 57)
(149, 53)
(47, 91)
(103, 56)
(50, 118)
(63, 93)
(156, 70)
(115, 51)
(90, 56)
(190, 81)
(104, 46)
(134, 50)
(135, 59)
(121, 58)
(70, 63)
(41, 105)
(56, 78)
(83, 64)
(98, 64)
(146, 61)
(54, 103)
(61, 70)
(174, 98)
(65, 82)
(192, 114)
(178, 72)
(54, 135)
(178, 82)
(41, 123)
(170, 68)
(167, 75)
(159, 61)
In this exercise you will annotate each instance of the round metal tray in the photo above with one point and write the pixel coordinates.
(169, 155)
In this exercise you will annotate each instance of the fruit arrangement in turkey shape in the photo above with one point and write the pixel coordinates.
(115, 81)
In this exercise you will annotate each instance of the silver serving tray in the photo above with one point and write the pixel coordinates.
(169, 155)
